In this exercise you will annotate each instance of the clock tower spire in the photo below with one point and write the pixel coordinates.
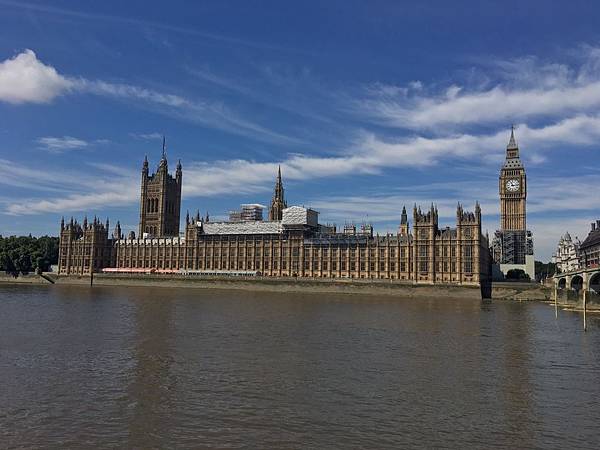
(513, 189)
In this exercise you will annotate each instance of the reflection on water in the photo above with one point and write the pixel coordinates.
(151, 384)
(163, 368)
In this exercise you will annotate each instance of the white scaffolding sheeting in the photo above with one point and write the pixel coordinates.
(297, 215)
(250, 227)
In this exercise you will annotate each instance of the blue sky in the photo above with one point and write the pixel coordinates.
(367, 106)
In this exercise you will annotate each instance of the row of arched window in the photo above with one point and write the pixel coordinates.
(152, 206)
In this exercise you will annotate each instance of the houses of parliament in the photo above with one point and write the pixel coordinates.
(291, 243)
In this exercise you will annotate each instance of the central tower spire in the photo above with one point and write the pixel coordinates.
(278, 203)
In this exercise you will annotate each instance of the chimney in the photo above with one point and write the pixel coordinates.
(593, 226)
(598, 224)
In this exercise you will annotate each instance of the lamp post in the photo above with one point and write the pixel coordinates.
(555, 301)
(584, 310)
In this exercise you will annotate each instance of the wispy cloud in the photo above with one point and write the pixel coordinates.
(61, 144)
(147, 136)
(73, 191)
(526, 88)
(371, 155)
(142, 23)
(25, 79)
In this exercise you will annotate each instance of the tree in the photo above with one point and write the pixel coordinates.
(544, 270)
(26, 253)
(23, 264)
(517, 275)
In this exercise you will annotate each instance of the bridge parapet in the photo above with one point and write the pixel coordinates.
(586, 279)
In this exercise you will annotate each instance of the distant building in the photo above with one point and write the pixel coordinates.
(589, 249)
(247, 212)
(235, 216)
(512, 246)
(566, 257)
(291, 244)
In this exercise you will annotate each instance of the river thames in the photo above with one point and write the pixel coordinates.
(189, 368)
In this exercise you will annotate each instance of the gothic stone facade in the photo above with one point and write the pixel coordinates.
(566, 257)
(160, 200)
(291, 245)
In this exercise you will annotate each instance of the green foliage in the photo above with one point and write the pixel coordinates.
(25, 254)
(517, 274)
(544, 270)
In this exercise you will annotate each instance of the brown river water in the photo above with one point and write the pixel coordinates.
(126, 367)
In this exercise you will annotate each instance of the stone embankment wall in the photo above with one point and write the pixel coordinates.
(379, 287)
(520, 291)
(499, 291)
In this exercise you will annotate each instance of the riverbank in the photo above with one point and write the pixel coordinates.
(303, 285)
(502, 291)
(568, 301)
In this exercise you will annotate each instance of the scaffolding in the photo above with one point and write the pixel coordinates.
(512, 246)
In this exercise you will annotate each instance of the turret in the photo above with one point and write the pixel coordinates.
(430, 217)
(117, 231)
(178, 171)
(62, 223)
(403, 230)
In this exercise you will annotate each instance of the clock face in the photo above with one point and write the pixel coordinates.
(513, 185)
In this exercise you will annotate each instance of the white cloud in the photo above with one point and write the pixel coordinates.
(147, 136)
(61, 144)
(76, 202)
(25, 79)
(527, 88)
(72, 191)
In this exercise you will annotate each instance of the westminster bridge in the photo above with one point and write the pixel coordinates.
(572, 285)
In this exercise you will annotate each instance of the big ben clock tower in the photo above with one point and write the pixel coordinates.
(513, 189)
(512, 247)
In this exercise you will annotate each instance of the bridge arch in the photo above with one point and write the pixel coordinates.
(594, 283)
(562, 283)
(577, 283)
